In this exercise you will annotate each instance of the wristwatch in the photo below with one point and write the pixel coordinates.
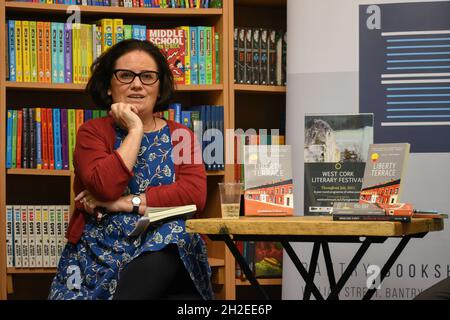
(136, 202)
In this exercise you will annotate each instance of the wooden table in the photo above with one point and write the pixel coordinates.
(318, 230)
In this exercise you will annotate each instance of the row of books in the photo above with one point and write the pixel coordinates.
(137, 3)
(207, 123)
(44, 138)
(260, 56)
(264, 258)
(56, 52)
(35, 235)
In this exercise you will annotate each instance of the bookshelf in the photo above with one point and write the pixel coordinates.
(33, 186)
(253, 106)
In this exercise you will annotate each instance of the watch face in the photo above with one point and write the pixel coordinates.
(136, 201)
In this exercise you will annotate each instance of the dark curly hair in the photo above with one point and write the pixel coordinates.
(103, 67)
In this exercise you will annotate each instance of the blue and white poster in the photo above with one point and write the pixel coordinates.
(404, 78)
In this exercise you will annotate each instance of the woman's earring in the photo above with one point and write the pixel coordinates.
(108, 92)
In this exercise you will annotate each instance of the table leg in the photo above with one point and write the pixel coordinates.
(309, 280)
(388, 265)
(312, 269)
(244, 265)
(329, 264)
(334, 294)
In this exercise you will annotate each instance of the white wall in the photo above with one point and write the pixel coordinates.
(323, 77)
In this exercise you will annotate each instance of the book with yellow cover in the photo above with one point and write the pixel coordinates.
(19, 65)
(26, 51)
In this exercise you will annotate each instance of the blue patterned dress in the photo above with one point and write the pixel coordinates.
(91, 268)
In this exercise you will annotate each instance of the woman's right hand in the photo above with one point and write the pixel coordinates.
(125, 115)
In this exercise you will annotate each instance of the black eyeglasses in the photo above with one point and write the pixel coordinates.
(127, 76)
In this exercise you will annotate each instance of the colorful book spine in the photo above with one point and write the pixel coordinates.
(61, 57)
(66, 219)
(59, 232)
(19, 50)
(31, 237)
(38, 236)
(12, 50)
(46, 236)
(19, 139)
(84, 37)
(202, 55)
(24, 234)
(87, 115)
(67, 54)
(54, 51)
(127, 31)
(32, 138)
(51, 158)
(33, 51)
(76, 54)
(40, 51)
(177, 111)
(9, 129)
(25, 138)
(17, 237)
(38, 138)
(26, 51)
(47, 53)
(117, 30)
(71, 124)
(57, 138)
(9, 237)
(107, 33)
(52, 234)
(64, 140)
(44, 139)
(209, 55)
(187, 55)
(14, 139)
(272, 66)
(216, 75)
(193, 31)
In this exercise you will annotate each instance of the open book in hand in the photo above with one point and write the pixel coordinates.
(155, 214)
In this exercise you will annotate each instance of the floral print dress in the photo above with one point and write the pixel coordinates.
(90, 269)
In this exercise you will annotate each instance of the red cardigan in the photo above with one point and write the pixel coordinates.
(101, 170)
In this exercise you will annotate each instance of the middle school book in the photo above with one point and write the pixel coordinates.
(171, 42)
(335, 153)
(268, 189)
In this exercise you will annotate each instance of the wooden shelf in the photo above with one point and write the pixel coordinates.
(250, 88)
(39, 172)
(43, 172)
(215, 173)
(263, 282)
(30, 270)
(261, 3)
(70, 87)
(61, 9)
(215, 262)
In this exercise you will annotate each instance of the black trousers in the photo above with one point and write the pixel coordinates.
(155, 276)
(439, 291)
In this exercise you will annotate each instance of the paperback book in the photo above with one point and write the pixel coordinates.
(268, 189)
(158, 214)
(335, 152)
(384, 173)
(351, 211)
